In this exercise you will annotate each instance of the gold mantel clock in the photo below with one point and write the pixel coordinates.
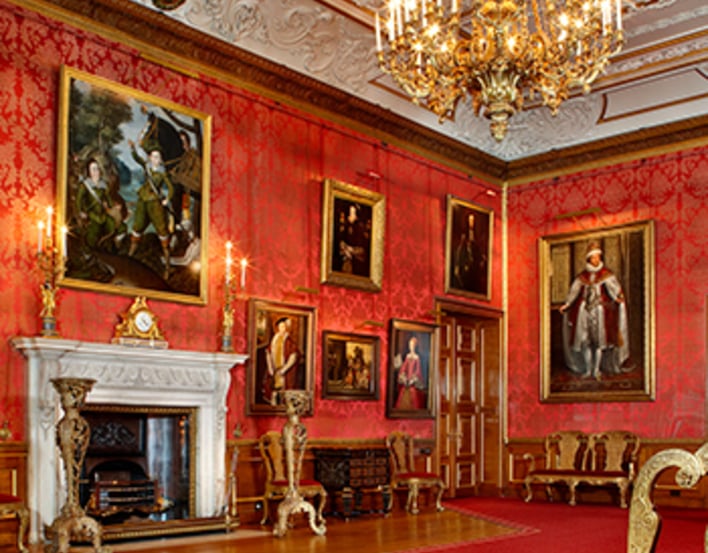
(138, 327)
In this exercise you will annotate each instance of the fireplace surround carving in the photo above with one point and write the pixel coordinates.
(124, 375)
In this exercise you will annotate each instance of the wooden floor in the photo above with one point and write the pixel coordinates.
(372, 534)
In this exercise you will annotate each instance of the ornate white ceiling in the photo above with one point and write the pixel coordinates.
(660, 77)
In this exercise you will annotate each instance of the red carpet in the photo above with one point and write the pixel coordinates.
(559, 528)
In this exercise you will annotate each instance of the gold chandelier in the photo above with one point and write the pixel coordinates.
(497, 51)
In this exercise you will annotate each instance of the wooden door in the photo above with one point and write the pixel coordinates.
(470, 408)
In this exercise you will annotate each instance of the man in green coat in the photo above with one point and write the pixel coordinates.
(152, 204)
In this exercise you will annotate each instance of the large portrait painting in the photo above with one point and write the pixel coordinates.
(412, 366)
(468, 249)
(281, 354)
(597, 314)
(350, 366)
(133, 190)
(353, 221)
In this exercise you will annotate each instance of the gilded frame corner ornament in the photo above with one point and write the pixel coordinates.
(136, 222)
(597, 315)
(353, 223)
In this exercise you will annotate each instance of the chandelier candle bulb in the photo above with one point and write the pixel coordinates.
(378, 33)
(619, 15)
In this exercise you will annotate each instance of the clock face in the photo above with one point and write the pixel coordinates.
(143, 321)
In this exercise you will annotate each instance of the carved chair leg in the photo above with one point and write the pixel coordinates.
(623, 489)
(571, 486)
(22, 527)
(266, 515)
(412, 503)
(529, 492)
(438, 499)
(320, 507)
(387, 499)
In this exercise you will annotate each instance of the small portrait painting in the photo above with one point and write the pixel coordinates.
(468, 249)
(353, 221)
(412, 367)
(350, 366)
(281, 350)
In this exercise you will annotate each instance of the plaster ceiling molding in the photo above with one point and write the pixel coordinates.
(663, 23)
(229, 20)
(332, 42)
(535, 130)
(331, 47)
(661, 56)
(302, 35)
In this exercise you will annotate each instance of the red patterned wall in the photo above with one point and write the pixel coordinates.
(673, 191)
(267, 167)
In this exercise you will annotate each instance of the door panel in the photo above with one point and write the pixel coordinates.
(469, 425)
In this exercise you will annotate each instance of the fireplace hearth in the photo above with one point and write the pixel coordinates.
(138, 379)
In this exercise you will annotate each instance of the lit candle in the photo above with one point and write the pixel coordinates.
(227, 276)
(64, 233)
(49, 221)
(619, 15)
(378, 33)
(244, 264)
(454, 6)
(40, 234)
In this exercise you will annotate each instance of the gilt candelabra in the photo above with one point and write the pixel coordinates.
(51, 264)
(230, 294)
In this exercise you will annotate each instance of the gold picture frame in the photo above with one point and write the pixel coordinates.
(281, 353)
(468, 249)
(133, 191)
(597, 314)
(412, 370)
(353, 223)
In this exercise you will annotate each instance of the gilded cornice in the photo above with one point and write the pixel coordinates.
(192, 52)
(635, 145)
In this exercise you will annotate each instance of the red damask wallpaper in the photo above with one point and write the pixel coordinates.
(267, 167)
(671, 190)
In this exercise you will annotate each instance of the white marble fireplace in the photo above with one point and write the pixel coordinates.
(124, 375)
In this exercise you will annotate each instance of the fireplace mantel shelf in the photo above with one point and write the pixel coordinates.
(125, 375)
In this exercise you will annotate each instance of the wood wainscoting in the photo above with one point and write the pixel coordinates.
(13, 480)
(667, 493)
(250, 470)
